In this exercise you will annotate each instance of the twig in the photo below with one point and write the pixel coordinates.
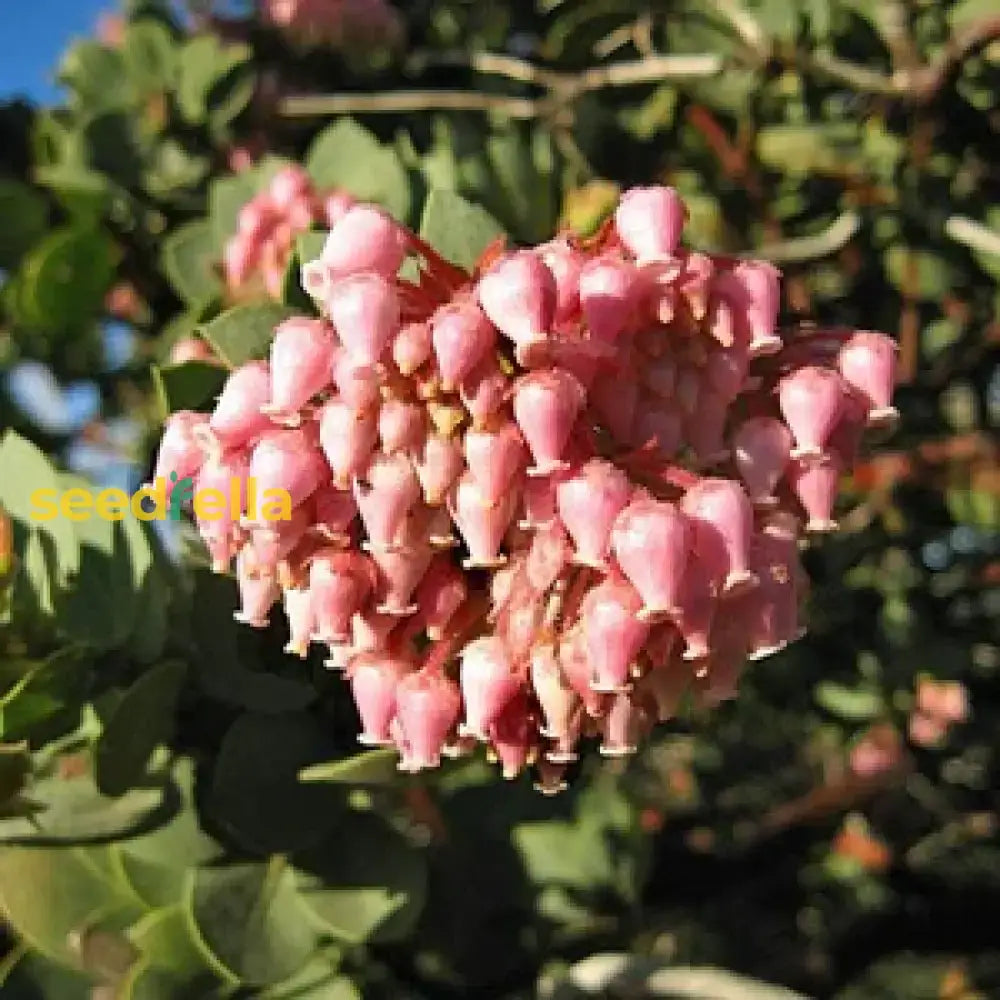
(651, 70)
(396, 102)
(833, 238)
(746, 26)
(973, 234)
(488, 63)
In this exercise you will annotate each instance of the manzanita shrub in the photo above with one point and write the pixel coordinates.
(533, 503)
(250, 227)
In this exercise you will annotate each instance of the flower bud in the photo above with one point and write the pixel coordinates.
(180, 452)
(357, 382)
(288, 460)
(649, 221)
(759, 285)
(226, 474)
(347, 437)
(237, 417)
(494, 458)
(565, 262)
(399, 572)
(546, 405)
(364, 310)
(652, 542)
(411, 347)
(298, 604)
(333, 513)
(401, 425)
(588, 503)
(812, 402)
(364, 239)
(484, 390)
(301, 355)
(518, 294)
(512, 736)
(462, 336)
(607, 297)
(439, 464)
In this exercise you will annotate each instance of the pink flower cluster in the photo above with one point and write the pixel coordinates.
(542, 502)
(268, 225)
(334, 22)
(939, 705)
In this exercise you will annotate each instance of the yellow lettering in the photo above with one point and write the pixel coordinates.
(43, 505)
(76, 504)
(251, 499)
(158, 494)
(209, 504)
(277, 505)
(111, 505)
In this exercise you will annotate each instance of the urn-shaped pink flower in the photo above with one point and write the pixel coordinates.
(761, 449)
(347, 437)
(588, 503)
(488, 683)
(374, 679)
(814, 482)
(649, 221)
(258, 592)
(546, 405)
(340, 582)
(867, 361)
(385, 494)
(607, 297)
(364, 309)
(652, 542)
(441, 592)
(518, 294)
(565, 262)
(180, 451)
(721, 515)
(462, 336)
(812, 401)
(438, 464)
(288, 460)
(237, 417)
(411, 347)
(301, 354)
(427, 708)
(613, 633)
(760, 283)
(482, 525)
(494, 457)
(364, 239)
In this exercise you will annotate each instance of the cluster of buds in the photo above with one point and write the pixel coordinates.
(542, 502)
(334, 23)
(268, 225)
(938, 706)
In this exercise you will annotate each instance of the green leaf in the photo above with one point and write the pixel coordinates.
(244, 333)
(366, 883)
(804, 149)
(164, 938)
(192, 385)
(204, 67)
(853, 704)
(154, 863)
(150, 56)
(256, 794)
(249, 922)
(25, 217)
(143, 720)
(26, 471)
(73, 811)
(375, 767)
(458, 230)
(189, 258)
(149, 591)
(66, 278)
(173, 169)
(227, 195)
(96, 74)
(346, 155)
(49, 896)
(15, 766)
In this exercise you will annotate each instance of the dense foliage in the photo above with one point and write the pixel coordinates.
(183, 809)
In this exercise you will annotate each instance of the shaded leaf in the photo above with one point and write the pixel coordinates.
(192, 385)
(244, 333)
(457, 229)
(189, 258)
(374, 767)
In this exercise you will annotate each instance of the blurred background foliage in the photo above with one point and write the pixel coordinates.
(182, 809)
